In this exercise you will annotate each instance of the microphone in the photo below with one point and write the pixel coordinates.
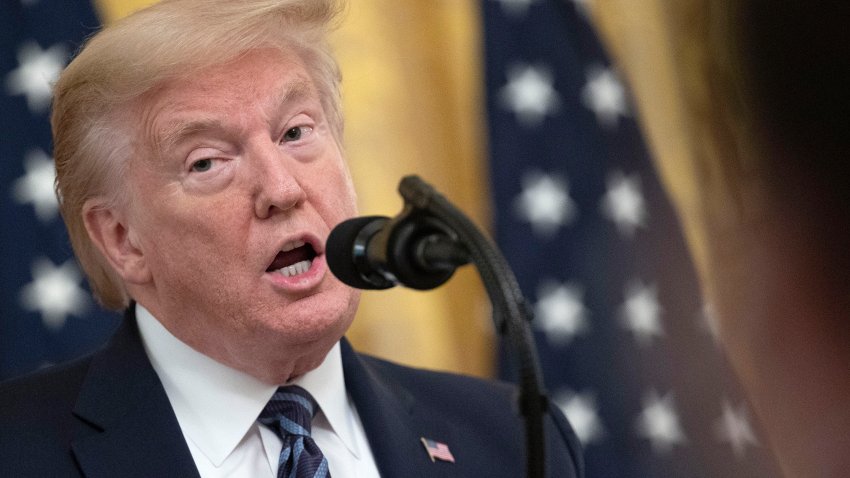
(376, 252)
(421, 248)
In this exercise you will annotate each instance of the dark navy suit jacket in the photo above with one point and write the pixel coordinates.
(107, 415)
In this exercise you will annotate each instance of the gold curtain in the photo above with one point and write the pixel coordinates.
(111, 10)
(412, 95)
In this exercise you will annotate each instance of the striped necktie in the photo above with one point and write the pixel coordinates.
(288, 414)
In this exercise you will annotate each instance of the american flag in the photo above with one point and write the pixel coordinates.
(437, 451)
(625, 342)
(47, 314)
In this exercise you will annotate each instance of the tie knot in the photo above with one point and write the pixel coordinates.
(290, 411)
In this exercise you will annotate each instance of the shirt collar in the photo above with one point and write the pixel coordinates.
(217, 405)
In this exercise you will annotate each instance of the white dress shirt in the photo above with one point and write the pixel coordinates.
(217, 408)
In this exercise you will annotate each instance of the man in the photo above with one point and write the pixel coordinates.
(746, 105)
(199, 171)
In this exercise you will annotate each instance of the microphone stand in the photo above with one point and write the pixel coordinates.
(510, 310)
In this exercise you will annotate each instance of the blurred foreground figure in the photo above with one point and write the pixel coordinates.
(746, 105)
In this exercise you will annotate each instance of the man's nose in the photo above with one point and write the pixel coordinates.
(277, 182)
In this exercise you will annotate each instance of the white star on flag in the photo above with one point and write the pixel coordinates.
(734, 427)
(605, 95)
(623, 203)
(659, 423)
(54, 292)
(641, 312)
(545, 203)
(560, 312)
(529, 94)
(581, 411)
(516, 8)
(36, 186)
(35, 76)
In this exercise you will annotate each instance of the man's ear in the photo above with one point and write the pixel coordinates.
(109, 231)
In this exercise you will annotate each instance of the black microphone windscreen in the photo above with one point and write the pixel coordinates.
(340, 253)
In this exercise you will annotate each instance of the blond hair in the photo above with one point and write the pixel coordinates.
(118, 65)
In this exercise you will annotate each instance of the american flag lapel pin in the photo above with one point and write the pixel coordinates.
(437, 450)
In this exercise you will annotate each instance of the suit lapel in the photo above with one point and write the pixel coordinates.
(137, 434)
(124, 400)
(393, 422)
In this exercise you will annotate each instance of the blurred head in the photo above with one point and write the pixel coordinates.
(792, 71)
(745, 104)
(94, 128)
(767, 83)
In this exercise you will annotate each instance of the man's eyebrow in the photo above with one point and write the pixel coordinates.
(175, 132)
(297, 89)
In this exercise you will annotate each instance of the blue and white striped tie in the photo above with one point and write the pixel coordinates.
(288, 414)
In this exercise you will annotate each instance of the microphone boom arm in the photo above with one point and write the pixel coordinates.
(511, 312)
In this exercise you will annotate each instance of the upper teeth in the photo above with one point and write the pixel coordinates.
(295, 269)
(292, 245)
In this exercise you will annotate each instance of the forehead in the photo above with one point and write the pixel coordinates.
(258, 82)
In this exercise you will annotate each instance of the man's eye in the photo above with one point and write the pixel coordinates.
(294, 134)
(202, 165)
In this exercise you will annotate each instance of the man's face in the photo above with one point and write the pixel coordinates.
(232, 207)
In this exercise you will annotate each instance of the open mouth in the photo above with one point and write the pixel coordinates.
(294, 259)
